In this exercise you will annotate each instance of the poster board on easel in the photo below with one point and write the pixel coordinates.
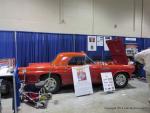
(82, 80)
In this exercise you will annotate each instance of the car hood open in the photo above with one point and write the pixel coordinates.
(117, 50)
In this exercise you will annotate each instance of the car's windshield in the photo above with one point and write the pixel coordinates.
(80, 60)
(88, 60)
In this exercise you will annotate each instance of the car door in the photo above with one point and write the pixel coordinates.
(95, 70)
(74, 62)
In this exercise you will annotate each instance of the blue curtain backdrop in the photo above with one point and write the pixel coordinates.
(27, 48)
(7, 44)
(80, 43)
(56, 43)
(146, 43)
(41, 47)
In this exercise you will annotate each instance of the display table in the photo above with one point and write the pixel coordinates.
(3, 74)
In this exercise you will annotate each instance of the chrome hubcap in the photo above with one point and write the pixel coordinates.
(51, 84)
(120, 79)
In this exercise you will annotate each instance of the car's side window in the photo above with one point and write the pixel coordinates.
(77, 61)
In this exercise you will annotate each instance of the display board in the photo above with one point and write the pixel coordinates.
(131, 49)
(82, 80)
(108, 82)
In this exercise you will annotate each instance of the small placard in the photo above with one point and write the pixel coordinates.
(100, 40)
(108, 82)
(130, 39)
(106, 38)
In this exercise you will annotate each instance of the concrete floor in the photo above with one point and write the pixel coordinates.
(132, 99)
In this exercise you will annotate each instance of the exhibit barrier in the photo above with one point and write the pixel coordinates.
(43, 47)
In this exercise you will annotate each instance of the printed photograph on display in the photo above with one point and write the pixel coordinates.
(91, 43)
(81, 75)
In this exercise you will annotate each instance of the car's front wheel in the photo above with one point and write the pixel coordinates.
(120, 80)
(53, 84)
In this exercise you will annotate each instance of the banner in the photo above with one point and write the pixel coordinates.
(108, 82)
(91, 43)
(82, 80)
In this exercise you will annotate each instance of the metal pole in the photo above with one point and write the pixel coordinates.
(14, 80)
(16, 46)
(0, 96)
(14, 86)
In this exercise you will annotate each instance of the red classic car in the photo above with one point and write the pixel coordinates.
(59, 70)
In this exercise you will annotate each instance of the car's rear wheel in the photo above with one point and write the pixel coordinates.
(53, 84)
(120, 80)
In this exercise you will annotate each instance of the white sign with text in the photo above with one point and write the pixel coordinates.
(82, 80)
(108, 82)
(100, 40)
